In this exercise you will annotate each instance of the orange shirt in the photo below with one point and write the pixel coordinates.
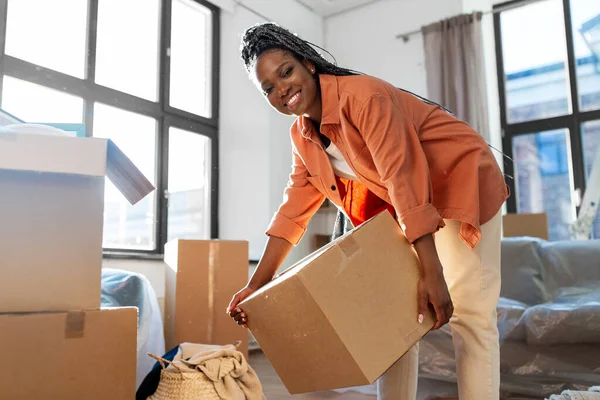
(423, 161)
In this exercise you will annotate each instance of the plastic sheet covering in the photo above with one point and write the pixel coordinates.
(126, 289)
(548, 321)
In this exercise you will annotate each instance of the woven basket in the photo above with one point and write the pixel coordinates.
(182, 385)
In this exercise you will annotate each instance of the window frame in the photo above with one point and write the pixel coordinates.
(572, 121)
(160, 110)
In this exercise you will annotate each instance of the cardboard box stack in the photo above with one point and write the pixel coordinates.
(201, 278)
(56, 341)
(343, 315)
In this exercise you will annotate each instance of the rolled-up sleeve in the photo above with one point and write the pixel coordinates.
(395, 148)
(301, 200)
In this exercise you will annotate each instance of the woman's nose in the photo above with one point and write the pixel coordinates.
(283, 90)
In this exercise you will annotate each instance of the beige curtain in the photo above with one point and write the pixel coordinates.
(456, 69)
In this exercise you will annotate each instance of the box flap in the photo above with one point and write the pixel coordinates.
(125, 175)
(73, 155)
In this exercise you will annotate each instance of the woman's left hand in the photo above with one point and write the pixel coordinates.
(433, 289)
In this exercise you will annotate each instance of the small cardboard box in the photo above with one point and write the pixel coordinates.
(87, 355)
(343, 315)
(51, 213)
(533, 225)
(202, 276)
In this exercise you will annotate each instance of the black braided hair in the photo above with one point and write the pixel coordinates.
(266, 36)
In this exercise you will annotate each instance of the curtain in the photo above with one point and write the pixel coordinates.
(456, 69)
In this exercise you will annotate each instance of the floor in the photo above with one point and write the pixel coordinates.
(275, 390)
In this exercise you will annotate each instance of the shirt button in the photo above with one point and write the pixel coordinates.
(333, 187)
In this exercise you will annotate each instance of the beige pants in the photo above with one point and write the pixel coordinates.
(473, 278)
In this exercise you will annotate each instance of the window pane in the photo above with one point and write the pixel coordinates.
(543, 179)
(591, 146)
(127, 226)
(127, 46)
(36, 103)
(48, 33)
(535, 61)
(189, 185)
(190, 57)
(585, 15)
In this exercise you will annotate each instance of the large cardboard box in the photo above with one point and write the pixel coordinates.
(202, 276)
(51, 213)
(343, 315)
(87, 355)
(533, 225)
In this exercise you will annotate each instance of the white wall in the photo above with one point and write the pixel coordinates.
(255, 151)
(365, 39)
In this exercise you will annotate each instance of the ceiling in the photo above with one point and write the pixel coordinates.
(328, 8)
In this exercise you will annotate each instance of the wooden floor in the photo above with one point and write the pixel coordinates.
(274, 389)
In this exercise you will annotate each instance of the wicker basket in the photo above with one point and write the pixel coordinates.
(182, 385)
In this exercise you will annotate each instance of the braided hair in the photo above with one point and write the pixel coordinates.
(266, 36)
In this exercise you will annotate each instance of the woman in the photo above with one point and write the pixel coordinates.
(370, 147)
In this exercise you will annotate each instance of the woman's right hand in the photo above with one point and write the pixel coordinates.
(234, 311)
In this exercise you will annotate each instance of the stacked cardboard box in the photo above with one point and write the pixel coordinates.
(56, 341)
(201, 278)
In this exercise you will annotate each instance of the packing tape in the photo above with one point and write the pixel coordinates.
(213, 265)
(75, 325)
(349, 246)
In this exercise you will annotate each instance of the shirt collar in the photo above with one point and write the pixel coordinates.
(330, 102)
(330, 99)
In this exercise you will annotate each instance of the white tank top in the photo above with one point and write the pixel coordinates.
(340, 166)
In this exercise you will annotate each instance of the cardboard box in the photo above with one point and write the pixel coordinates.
(87, 355)
(202, 276)
(533, 225)
(343, 315)
(51, 209)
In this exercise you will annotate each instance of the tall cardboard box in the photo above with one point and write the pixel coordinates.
(202, 276)
(51, 213)
(343, 315)
(87, 355)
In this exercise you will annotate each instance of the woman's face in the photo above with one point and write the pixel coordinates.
(288, 84)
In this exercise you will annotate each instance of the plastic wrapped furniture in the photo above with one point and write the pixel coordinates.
(548, 319)
(124, 288)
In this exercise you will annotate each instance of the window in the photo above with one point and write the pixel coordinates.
(36, 103)
(127, 48)
(549, 81)
(188, 192)
(190, 66)
(542, 180)
(126, 226)
(590, 136)
(48, 33)
(145, 82)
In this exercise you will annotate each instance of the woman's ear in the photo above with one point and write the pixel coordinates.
(309, 66)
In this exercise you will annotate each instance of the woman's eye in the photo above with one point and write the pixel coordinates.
(287, 72)
(267, 91)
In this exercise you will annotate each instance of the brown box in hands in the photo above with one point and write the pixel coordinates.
(343, 315)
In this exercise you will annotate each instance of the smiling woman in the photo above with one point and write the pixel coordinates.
(288, 83)
(286, 77)
(370, 147)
